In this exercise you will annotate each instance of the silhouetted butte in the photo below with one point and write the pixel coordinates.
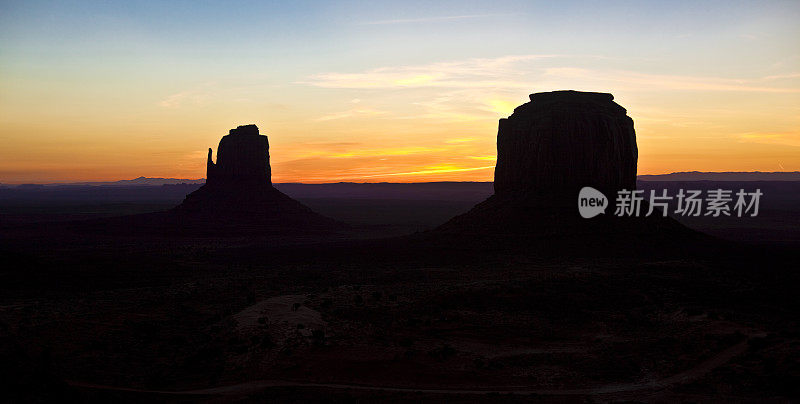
(238, 193)
(547, 150)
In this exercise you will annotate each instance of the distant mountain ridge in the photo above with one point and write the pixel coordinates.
(724, 176)
(677, 176)
(141, 181)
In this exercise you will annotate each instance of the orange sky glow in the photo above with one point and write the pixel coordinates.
(363, 98)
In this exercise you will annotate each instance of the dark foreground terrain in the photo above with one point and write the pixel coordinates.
(436, 318)
(397, 209)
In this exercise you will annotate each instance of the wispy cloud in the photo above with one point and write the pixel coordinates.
(781, 76)
(484, 88)
(351, 113)
(386, 164)
(632, 80)
(356, 161)
(435, 169)
(200, 94)
(387, 151)
(531, 72)
(784, 139)
(476, 72)
(182, 98)
(431, 19)
(461, 140)
(483, 158)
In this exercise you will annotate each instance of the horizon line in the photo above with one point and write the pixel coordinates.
(199, 180)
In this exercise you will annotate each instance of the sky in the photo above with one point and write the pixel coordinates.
(404, 91)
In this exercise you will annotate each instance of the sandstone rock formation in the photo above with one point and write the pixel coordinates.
(242, 157)
(239, 196)
(561, 141)
(547, 150)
